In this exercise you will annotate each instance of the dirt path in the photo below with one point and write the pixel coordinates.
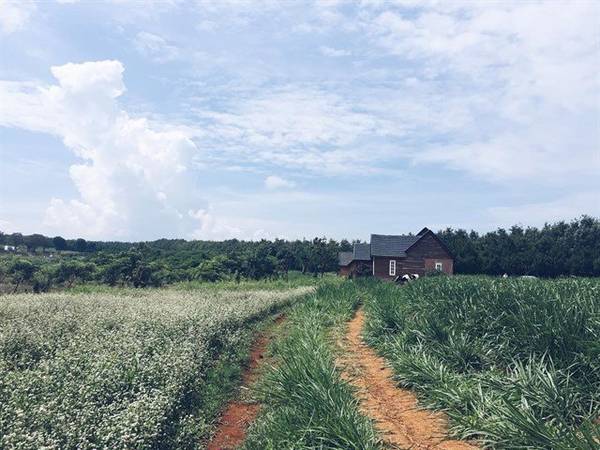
(395, 411)
(239, 414)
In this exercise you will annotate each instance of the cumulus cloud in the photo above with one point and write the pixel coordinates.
(135, 175)
(275, 182)
(14, 15)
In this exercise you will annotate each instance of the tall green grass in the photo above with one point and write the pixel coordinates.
(291, 281)
(515, 363)
(308, 405)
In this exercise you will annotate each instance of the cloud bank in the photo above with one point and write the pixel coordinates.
(134, 175)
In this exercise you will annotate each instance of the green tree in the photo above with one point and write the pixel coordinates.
(34, 241)
(59, 243)
(21, 271)
(42, 280)
(15, 239)
(70, 271)
(211, 270)
(80, 245)
(112, 272)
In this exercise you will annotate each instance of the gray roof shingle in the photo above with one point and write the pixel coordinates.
(391, 245)
(361, 252)
(381, 245)
(344, 258)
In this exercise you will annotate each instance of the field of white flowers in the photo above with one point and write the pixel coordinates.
(116, 371)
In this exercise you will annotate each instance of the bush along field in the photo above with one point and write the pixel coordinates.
(306, 403)
(131, 369)
(514, 362)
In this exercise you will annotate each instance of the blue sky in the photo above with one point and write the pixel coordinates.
(130, 120)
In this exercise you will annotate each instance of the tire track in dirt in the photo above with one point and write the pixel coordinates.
(395, 411)
(239, 414)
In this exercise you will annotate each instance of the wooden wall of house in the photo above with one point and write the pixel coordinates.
(420, 258)
(344, 271)
(354, 268)
(382, 267)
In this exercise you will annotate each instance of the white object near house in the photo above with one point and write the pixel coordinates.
(9, 248)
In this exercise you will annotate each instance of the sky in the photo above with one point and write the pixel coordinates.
(131, 120)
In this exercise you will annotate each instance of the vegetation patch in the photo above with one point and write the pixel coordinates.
(514, 362)
(134, 370)
(307, 404)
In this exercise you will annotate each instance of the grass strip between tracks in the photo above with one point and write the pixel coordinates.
(306, 402)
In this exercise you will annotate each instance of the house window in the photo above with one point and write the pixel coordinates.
(439, 266)
(392, 267)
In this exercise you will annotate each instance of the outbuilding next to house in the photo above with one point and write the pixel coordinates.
(390, 256)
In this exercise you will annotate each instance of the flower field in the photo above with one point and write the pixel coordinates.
(101, 370)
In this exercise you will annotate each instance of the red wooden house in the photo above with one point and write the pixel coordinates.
(389, 256)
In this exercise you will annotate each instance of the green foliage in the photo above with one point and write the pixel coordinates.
(80, 245)
(514, 362)
(133, 370)
(21, 270)
(59, 243)
(308, 404)
(554, 250)
(70, 271)
(172, 261)
(42, 280)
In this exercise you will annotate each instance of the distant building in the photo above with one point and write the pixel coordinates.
(10, 248)
(390, 256)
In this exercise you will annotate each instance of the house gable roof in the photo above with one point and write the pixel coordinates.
(344, 258)
(392, 245)
(425, 231)
(361, 252)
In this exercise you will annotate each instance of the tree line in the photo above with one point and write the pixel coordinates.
(36, 242)
(167, 261)
(559, 249)
(563, 248)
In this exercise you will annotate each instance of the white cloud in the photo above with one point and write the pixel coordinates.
(529, 92)
(14, 15)
(470, 86)
(134, 178)
(220, 227)
(536, 214)
(297, 126)
(334, 52)
(275, 182)
(156, 47)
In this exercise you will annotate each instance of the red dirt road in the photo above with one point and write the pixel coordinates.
(395, 411)
(238, 415)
